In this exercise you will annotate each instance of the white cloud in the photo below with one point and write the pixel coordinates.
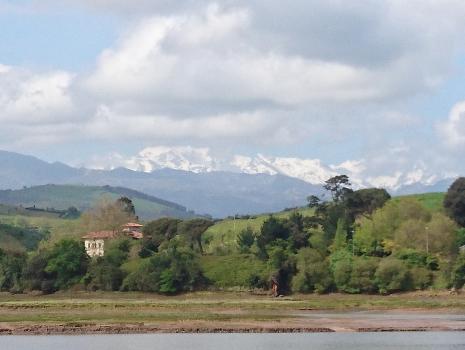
(27, 97)
(215, 55)
(252, 73)
(453, 130)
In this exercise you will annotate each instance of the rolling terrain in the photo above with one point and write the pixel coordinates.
(217, 193)
(84, 197)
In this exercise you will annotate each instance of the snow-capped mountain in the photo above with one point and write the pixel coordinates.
(309, 170)
(361, 172)
(187, 158)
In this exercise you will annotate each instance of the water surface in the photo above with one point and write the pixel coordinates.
(309, 341)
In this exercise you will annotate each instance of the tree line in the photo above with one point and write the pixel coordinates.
(356, 241)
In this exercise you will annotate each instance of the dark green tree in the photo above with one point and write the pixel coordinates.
(245, 239)
(365, 201)
(194, 229)
(338, 186)
(67, 263)
(458, 272)
(127, 205)
(175, 268)
(298, 235)
(11, 269)
(105, 273)
(454, 201)
(156, 232)
(271, 230)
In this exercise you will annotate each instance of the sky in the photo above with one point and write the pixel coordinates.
(378, 83)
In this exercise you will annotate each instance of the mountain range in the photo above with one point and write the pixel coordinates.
(194, 179)
(199, 160)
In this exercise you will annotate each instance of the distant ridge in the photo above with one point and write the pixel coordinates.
(214, 192)
(218, 193)
(83, 197)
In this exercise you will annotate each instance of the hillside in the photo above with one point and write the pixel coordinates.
(432, 201)
(223, 235)
(84, 197)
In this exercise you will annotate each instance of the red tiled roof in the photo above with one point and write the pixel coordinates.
(136, 234)
(132, 224)
(100, 235)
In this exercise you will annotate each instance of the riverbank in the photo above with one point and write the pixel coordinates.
(224, 312)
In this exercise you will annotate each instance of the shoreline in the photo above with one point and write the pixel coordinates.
(226, 312)
(63, 329)
(130, 329)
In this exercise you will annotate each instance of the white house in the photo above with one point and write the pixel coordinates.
(95, 242)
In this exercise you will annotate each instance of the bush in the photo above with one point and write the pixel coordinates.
(392, 276)
(238, 270)
(67, 263)
(362, 278)
(458, 272)
(105, 273)
(245, 240)
(421, 278)
(341, 267)
(175, 268)
(11, 268)
(415, 258)
(313, 273)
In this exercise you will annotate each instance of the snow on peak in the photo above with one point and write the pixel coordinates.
(181, 158)
(362, 173)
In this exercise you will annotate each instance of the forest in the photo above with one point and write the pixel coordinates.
(349, 241)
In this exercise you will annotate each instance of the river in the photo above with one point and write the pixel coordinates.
(309, 341)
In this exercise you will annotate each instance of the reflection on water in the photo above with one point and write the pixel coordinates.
(316, 341)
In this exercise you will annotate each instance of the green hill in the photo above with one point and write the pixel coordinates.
(222, 236)
(84, 197)
(431, 201)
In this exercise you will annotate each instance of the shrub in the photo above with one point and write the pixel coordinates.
(238, 270)
(11, 268)
(458, 272)
(67, 263)
(362, 278)
(421, 278)
(313, 273)
(245, 240)
(173, 269)
(105, 273)
(392, 276)
(341, 267)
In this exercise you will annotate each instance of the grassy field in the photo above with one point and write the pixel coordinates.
(222, 236)
(117, 308)
(431, 201)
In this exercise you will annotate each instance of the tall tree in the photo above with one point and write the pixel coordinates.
(339, 186)
(365, 201)
(454, 201)
(106, 215)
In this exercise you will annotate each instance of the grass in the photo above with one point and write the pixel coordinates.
(99, 307)
(57, 227)
(246, 267)
(221, 237)
(431, 201)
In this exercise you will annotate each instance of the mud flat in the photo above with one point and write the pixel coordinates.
(216, 312)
